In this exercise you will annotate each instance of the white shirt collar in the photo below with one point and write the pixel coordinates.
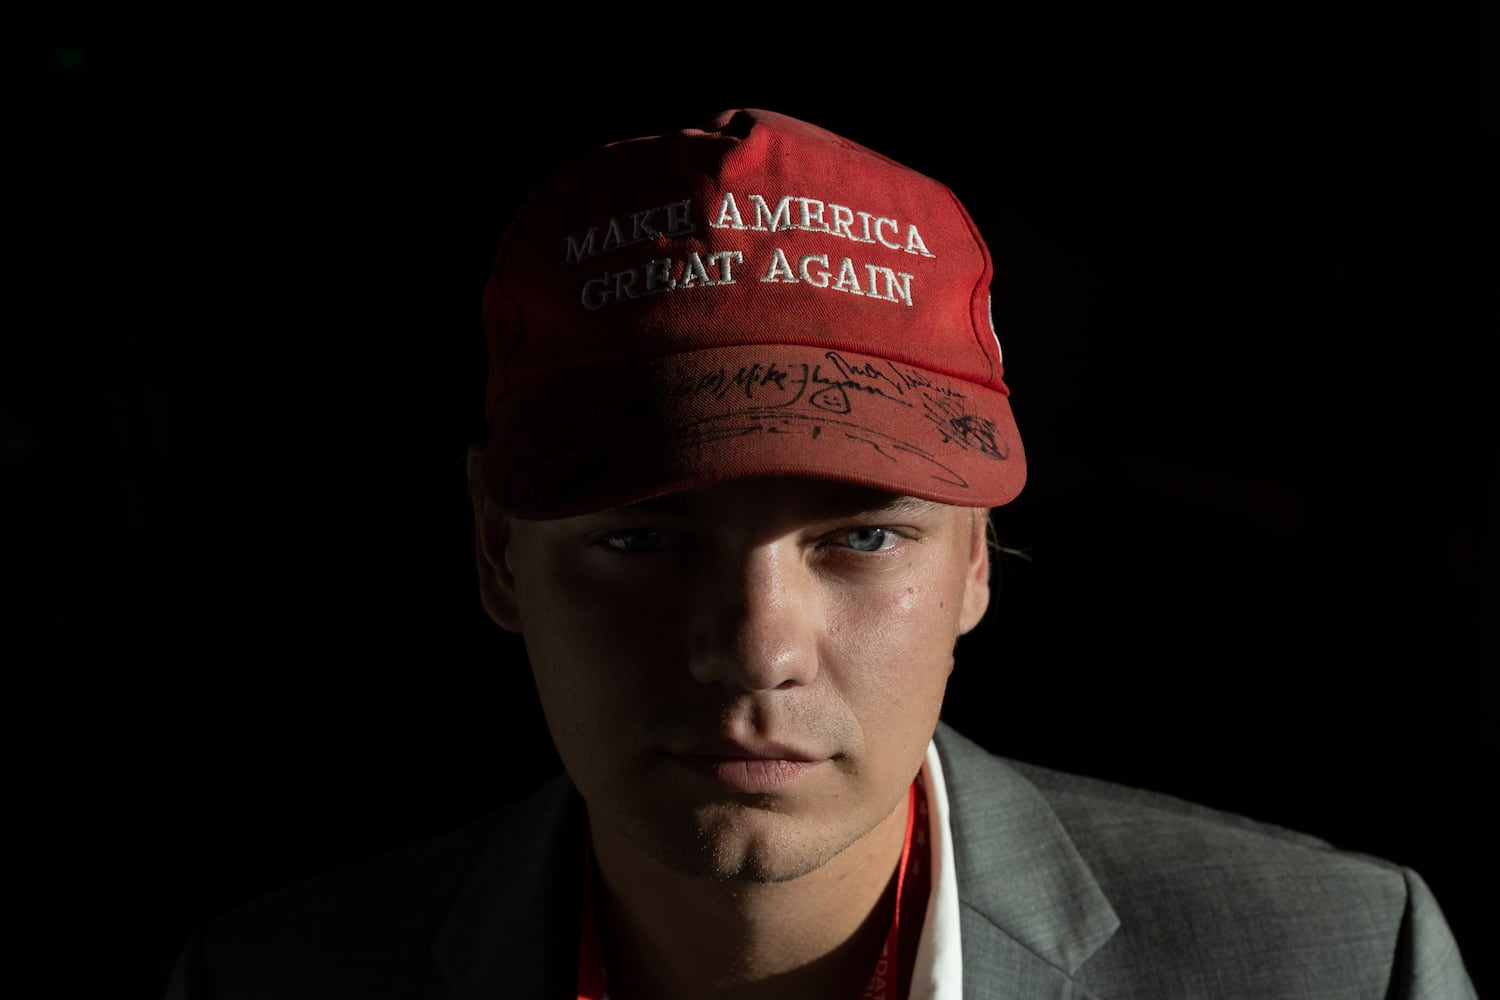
(937, 971)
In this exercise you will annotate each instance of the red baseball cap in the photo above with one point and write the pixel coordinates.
(755, 297)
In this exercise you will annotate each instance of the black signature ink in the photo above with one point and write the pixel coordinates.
(914, 379)
(834, 399)
(771, 384)
(756, 420)
(865, 379)
(750, 381)
(886, 372)
(967, 430)
(757, 376)
(869, 371)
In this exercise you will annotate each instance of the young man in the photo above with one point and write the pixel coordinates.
(747, 422)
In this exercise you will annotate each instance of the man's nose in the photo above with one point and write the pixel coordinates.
(757, 622)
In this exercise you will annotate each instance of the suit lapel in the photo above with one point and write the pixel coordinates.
(514, 929)
(1030, 910)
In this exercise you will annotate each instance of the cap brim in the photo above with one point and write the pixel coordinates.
(608, 435)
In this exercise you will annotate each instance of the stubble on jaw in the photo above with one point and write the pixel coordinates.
(746, 843)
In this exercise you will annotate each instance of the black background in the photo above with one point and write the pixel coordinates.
(1242, 286)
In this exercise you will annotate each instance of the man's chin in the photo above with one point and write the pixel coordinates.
(760, 849)
(743, 864)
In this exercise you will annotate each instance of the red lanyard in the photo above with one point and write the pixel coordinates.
(590, 950)
(912, 881)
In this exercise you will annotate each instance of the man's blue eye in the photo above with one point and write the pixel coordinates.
(867, 539)
(638, 540)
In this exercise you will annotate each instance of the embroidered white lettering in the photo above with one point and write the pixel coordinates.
(729, 214)
(817, 216)
(843, 218)
(780, 270)
(819, 278)
(812, 215)
(847, 282)
(679, 222)
(895, 290)
(914, 243)
(658, 274)
(768, 221)
(882, 283)
(640, 225)
(663, 274)
(612, 236)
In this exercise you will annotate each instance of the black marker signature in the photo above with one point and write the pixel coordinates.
(899, 380)
(766, 382)
(745, 423)
(967, 430)
(772, 383)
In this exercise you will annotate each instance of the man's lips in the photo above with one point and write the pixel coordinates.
(750, 768)
(750, 774)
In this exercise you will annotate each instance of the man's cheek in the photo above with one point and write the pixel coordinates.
(892, 624)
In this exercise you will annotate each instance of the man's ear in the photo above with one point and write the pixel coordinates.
(497, 590)
(977, 577)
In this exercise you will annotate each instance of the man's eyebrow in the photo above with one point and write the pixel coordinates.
(897, 505)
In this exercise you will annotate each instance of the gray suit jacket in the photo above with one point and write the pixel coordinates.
(1069, 888)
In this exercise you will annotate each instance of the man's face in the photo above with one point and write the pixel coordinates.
(741, 679)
